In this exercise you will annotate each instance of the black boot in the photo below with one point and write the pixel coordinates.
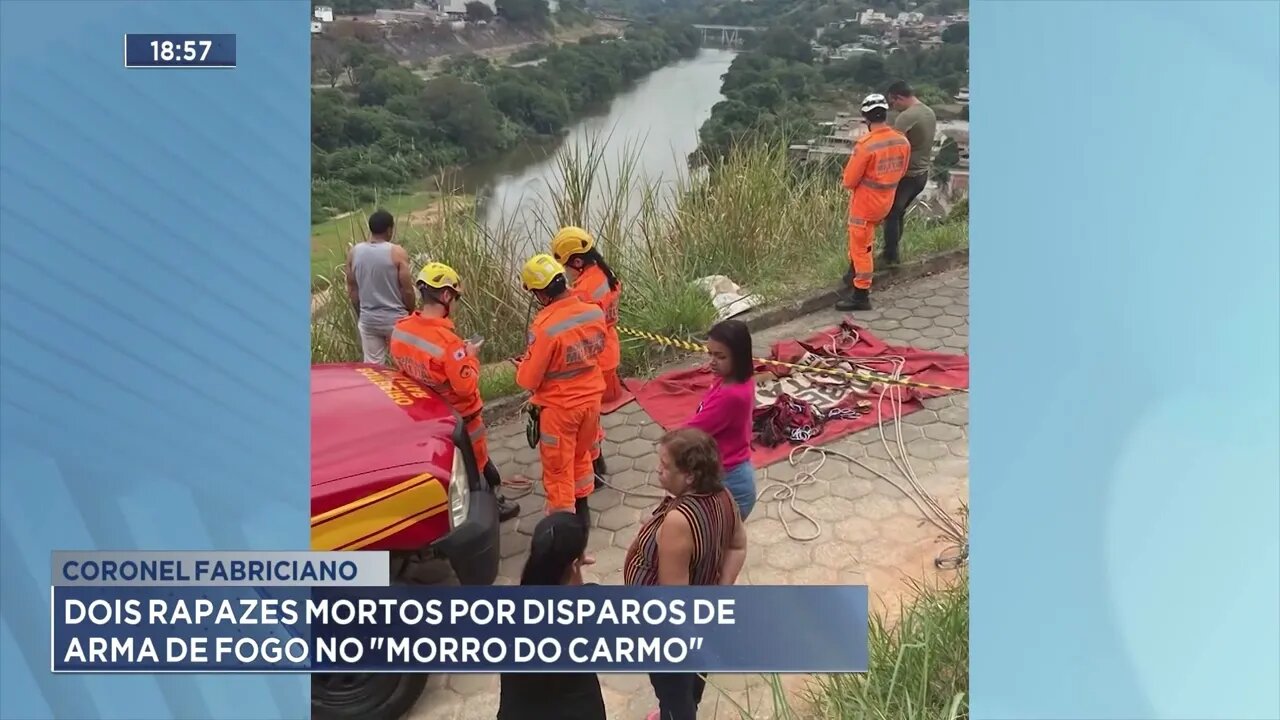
(600, 471)
(859, 300)
(507, 509)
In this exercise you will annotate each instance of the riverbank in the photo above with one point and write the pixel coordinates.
(330, 239)
(752, 217)
(390, 127)
(652, 121)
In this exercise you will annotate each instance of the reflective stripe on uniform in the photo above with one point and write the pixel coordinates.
(601, 290)
(549, 440)
(565, 374)
(585, 482)
(857, 221)
(476, 432)
(569, 323)
(878, 185)
(892, 142)
(424, 345)
(864, 276)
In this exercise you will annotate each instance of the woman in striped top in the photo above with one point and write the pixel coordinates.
(694, 537)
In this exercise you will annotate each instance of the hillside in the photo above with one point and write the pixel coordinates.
(418, 43)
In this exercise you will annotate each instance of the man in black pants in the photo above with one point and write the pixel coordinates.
(918, 122)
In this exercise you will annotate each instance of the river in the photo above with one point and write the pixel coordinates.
(654, 123)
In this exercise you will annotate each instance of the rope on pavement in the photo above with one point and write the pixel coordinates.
(863, 375)
(955, 532)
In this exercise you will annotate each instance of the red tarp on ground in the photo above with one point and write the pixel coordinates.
(670, 399)
(623, 398)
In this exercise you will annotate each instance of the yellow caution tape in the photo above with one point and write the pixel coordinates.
(863, 375)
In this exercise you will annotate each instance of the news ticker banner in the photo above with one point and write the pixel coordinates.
(336, 612)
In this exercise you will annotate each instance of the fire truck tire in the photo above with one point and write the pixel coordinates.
(368, 696)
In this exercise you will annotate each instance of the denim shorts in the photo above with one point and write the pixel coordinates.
(741, 482)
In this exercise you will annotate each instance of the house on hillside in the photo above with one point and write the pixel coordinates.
(323, 13)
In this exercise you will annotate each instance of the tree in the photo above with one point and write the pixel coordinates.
(386, 83)
(478, 12)
(463, 114)
(957, 34)
(328, 60)
(533, 13)
(787, 44)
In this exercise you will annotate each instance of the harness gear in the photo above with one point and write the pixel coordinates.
(788, 419)
(532, 428)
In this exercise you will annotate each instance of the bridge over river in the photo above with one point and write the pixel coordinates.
(725, 35)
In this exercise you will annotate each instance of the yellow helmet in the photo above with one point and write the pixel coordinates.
(439, 276)
(571, 241)
(540, 271)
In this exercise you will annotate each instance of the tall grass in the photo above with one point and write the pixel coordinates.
(753, 216)
(918, 667)
(919, 662)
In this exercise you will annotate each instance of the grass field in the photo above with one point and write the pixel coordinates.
(330, 239)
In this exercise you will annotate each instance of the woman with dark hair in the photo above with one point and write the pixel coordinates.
(725, 411)
(694, 537)
(593, 282)
(555, 558)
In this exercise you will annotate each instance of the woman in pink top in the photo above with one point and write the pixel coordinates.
(725, 411)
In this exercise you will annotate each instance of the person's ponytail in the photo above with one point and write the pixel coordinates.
(594, 257)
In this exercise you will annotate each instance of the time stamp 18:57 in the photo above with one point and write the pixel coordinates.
(179, 51)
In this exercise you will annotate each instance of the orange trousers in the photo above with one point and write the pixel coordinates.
(612, 391)
(862, 236)
(479, 440)
(567, 437)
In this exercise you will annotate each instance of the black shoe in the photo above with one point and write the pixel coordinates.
(599, 466)
(887, 261)
(859, 300)
(507, 509)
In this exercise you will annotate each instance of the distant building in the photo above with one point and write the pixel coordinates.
(872, 17)
(458, 8)
(962, 97)
(316, 27)
(408, 15)
(323, 13)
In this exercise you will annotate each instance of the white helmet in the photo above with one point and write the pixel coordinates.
(874, 101)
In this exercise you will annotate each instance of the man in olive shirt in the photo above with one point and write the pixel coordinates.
(917, 121)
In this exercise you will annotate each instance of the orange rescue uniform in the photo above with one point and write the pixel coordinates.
(592, 286)
(562, 371)
(429, 351)
(878, 162)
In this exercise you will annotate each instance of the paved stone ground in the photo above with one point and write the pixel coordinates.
(871, 532)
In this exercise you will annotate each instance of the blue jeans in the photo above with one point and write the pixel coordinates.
(741, 482)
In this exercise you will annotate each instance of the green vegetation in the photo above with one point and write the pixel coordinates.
(752, 216)
(776, 87)
(386, 127)
(918, 667)
(919, 663)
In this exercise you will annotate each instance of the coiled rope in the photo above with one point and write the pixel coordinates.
(786, 493)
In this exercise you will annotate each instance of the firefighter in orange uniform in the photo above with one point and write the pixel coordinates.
(561, 368)
(425, 347)
(593, 282)
(878, 162)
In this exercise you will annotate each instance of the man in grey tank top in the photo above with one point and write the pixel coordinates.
(380, 286)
